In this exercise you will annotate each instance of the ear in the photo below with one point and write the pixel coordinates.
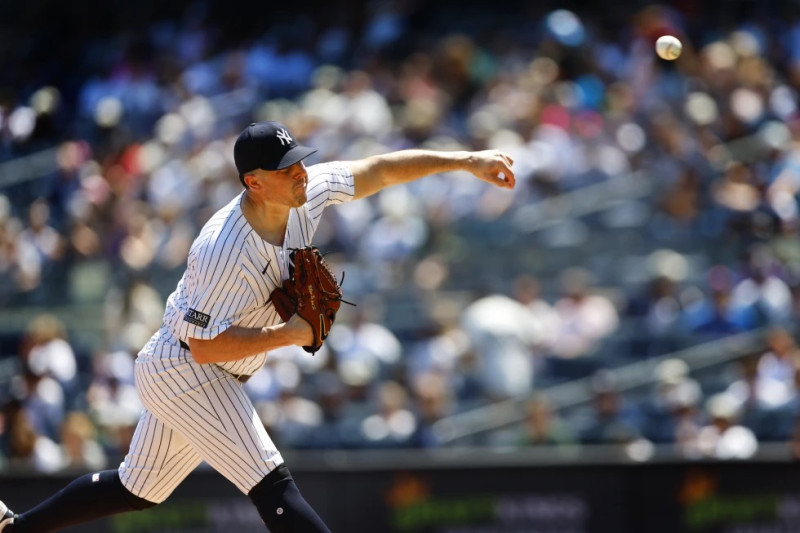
(251, 181)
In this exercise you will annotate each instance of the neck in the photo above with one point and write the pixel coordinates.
(268, 220)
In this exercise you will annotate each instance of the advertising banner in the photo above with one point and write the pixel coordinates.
(653, 498)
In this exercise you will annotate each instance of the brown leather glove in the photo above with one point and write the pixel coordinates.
(311, 291)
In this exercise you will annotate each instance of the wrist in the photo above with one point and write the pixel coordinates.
(279, 335)
(293, 331)
(466, 160)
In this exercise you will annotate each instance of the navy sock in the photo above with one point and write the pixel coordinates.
(282, 507)
(87, 498)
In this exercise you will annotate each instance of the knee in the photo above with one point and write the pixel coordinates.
(140, 504)
(136, 502)
(282, 507)
(273, 483)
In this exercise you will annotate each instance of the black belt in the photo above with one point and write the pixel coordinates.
(242, 378)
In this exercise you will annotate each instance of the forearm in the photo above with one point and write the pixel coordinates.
(406, 165)
(377, 172)
(237, 343)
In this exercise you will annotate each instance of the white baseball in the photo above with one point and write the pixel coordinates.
(668, 47)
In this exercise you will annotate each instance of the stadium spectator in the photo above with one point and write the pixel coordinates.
(432, 402)
(49, 353)
(393, 424)
(724, 438)
(22, 444)
(612, 419)
(43, 401)
(657, 310)
(762, 401)
(542, 426)
(754, 391)
(763, 290)
(48, 243)
(671, 413)
(780, 360)
(112, 401)
(79, 448)
(365, 349)
(503, 333)
(526, 290)
(131, 312)
(585, 317)
(715, 315)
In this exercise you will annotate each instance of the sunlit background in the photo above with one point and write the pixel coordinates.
(636, 296)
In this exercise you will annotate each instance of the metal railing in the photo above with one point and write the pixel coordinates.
(573, 393)
(28, 167)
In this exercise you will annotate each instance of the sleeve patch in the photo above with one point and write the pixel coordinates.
(197, 318)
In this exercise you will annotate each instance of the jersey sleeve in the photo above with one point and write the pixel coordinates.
(328, 184)
(217, 292)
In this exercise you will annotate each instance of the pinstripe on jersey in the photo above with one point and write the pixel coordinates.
(200, 412)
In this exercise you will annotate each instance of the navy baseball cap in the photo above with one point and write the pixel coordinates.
(268, 146)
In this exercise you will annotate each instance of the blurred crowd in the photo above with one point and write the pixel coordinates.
(755, 401)
(459, 303)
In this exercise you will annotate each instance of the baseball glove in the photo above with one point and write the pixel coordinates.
(311, 291)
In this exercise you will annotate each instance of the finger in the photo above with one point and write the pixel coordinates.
(499, 179)
(508, 176)
(506, 163)
(504, 156)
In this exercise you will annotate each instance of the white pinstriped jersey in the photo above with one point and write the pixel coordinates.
(194, 412)
(231, 271)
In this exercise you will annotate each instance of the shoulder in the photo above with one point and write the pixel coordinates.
(331, 171)
(226, 229)
(330, 183)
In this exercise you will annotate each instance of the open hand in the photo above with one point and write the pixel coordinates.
(493, 166)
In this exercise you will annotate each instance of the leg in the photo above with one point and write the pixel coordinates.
(87, 498)
(282, 507)
(212, 411)
(209, 409)
(158, 460)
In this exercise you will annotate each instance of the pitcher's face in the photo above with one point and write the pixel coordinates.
(286, 186)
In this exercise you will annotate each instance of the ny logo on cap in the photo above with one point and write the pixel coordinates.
(284, 136)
